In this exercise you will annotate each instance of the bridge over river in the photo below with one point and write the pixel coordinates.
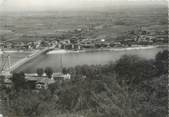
(28, 58)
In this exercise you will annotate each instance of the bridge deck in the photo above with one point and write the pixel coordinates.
(27, 59)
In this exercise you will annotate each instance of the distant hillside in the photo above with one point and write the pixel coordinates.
(28, 26)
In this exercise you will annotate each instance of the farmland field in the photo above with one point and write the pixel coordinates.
(106, 23)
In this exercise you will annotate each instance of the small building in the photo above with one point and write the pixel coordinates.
(87, 44)
(102, 40)
(69, 46)
(38, 82)
(160, 40)
(77, 47)
(129, 42)
(115, 44)
(67, 41)
(59, 77)
(43, 83)
(59, 45)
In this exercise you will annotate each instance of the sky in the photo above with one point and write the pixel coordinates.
(12, 5)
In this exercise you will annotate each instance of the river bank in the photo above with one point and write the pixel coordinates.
(62, 51)
(15, 51)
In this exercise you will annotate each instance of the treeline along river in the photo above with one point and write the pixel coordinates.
(58, 60)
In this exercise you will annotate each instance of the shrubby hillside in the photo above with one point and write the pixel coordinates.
(130, 87)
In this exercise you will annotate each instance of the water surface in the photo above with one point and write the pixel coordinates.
(57, 61)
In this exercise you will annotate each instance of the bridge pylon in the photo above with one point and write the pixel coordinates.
(5, 62)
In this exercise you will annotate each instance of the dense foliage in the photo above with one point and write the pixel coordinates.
(49, 72)
(130, 87)
(40, 71)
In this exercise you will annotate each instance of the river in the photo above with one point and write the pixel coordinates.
(59, 60)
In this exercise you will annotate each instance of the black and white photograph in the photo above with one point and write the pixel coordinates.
(84, 58)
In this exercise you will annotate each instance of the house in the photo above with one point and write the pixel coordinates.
(160, 40)
(38, 82)
(129, 42)
(102, 44)
(115, 44)
(43, 83)
(77, 47)
(59, 77)
(67, 41)
(59, 45)
(69, 46)
(87, 44)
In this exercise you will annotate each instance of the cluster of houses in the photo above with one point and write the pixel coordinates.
(42, 82)
(76, 42)
(19, 45)
(39, 82)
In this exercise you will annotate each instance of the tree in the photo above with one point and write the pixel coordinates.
(64, 71)
(40, 71)
(49, 72)
(18, 80)
(26, 103)
(133, 69)
(162, 56)
(161, 62)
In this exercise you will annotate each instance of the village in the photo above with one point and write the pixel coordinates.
(75, 40)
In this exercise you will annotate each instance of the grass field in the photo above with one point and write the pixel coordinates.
(107, 23)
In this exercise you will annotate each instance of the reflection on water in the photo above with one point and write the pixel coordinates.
(56, 61)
